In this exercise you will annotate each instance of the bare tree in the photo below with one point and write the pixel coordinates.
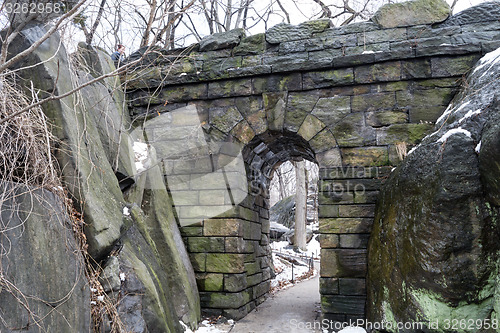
(300, 207)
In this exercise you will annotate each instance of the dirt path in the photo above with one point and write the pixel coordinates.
(293, 310)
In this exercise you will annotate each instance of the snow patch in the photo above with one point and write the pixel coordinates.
(205, 327)
(490, 58)
(452, 132)
(370, 52)
(122, 276)
(469, 114)
(413, 149)
(126, 211)
(140, 154)
(478, 147)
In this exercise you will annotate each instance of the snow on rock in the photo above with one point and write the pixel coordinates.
(141, 155)
(126, 211)
(468, 115)
(205, 327)
(490, 58)
(452, 132)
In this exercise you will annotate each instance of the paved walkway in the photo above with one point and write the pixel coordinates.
(293, 310)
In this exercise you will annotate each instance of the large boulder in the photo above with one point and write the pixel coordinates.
(42, 273)
(83, 159)
(409, 13)
(434, 250)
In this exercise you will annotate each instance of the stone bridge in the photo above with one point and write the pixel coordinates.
(351, 99)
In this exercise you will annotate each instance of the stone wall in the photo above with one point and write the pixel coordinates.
(342, 97)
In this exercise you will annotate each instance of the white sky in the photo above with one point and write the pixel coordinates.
(299, 11)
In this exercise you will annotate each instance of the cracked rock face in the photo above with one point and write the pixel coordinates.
(433, 254)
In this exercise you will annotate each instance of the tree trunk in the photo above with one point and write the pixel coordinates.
(300, 207)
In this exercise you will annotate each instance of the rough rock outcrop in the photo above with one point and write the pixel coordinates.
(42, 272)
(434, 250)
(145, 262)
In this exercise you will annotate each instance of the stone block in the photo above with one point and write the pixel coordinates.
(415, 69)
(356, 210)
(258, 121)
(427, 97)
(205, 244)
(298, 106)
(234, 245)
(329, 158)
(354, 241)
(412, 13)
(230, 88)
(328, 211)
(277, 83)
(235, 282)
(409, 133)
(384, 118)
(191, 231)
(343, 304)
(426, 113)
(198, 260)
(331, 195)
(345, 225)
(211, 197)
(254, 279)
(261, 289)
(222, 227)
(380, 36)
(328, 286)
(327, 78)
(274, 107)
(252, 268)
(243, 132)
(224, 119)
(221, 40)
(452, 66)
(354, 172)
(356, 186)
(225, 263)
(365, 156)
(187, 92)
(209, 281)
(254, 44)
(352, 132)
(343, 263)
(223, 300)
(366, 197)
(348, 286)
(329, 241)
(332, 109)
(252, 231)
(310, 127)
(266, 273)
(324, 58)
(373, 102)
(387, 71)
(324, 141)
(288, 63)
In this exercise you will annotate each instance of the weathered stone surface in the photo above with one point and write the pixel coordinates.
(410, 13)
(436, 226)
(330, 110)
(384, 118)
(345, 225)
(321, 79)
(388, 71)
(254, 44)
(87, 173)
(210, 281)
(354, 305)
(297, 108)
(41, 267)
(284, 32)
(310, 127)
(370, 156)
(343, 263)
(221, 40)
(352, 132)
(409, 133)
(225, 263)
(484, 12)
(328, 286)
